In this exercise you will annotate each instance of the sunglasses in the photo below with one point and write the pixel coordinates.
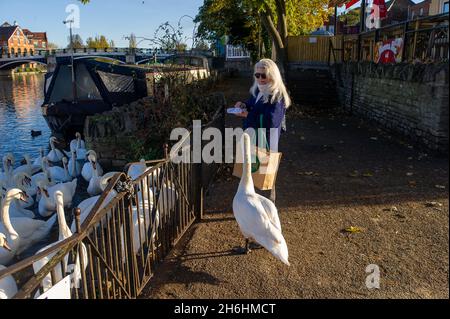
(261, 75)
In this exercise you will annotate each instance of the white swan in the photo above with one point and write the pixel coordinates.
(77, 143)
(47, 205)
(57, 174)
(28, 168)
(88, 168)
(8, 286)
(38, 160)
(64, 233)
(55, 155)
(256, 215)
(95, 183)
(21, 233)
(79, 146)
(74, 165)
(16, 210)
(87, 205)
(7, 175)
(22, 182)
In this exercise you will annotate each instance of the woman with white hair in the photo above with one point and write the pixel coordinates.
(268, 102)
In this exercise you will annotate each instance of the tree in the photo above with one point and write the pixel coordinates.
(99, 42)
(132, 43)
(280, 19)
(351, 18)
(52, 46)
(77, 41)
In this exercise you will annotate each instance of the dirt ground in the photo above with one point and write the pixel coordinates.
(337, 171)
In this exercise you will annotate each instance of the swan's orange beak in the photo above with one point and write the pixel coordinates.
(6, 246)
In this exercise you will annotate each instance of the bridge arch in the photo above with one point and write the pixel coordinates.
(99, 57)
(16, 63)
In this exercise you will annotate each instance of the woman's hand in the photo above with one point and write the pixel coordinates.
(243, 107)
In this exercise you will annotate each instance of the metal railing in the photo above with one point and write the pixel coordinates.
(132, 227)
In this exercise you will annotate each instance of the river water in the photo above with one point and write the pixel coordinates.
(21, 97)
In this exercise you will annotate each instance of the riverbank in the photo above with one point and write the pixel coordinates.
(336, 172)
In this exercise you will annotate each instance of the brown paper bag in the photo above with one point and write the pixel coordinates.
(264, 178)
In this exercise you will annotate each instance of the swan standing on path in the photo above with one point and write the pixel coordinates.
(8, 286)
(256, 215)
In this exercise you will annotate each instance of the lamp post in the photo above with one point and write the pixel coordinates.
(74, 89)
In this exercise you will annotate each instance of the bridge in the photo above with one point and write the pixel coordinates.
(53, 57)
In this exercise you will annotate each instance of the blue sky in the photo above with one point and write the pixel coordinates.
(112, 18)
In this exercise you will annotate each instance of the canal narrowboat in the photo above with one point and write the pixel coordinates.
(96, 86)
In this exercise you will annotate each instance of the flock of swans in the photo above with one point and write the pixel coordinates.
(41, 183)
(256, 215)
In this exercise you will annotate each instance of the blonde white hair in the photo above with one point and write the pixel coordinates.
(276, 86)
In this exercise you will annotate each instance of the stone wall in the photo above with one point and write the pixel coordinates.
(410, 99)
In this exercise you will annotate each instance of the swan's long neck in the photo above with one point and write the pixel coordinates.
(246, 183)
(52, 145)
(73, 165)
(64, 230)
(78, 142)
(66, 171)
(5, 218)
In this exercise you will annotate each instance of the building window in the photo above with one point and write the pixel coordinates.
(421, 12)
(412, 14)
(44, 44)
(445, 7)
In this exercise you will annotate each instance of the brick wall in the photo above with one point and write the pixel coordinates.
(404, 98)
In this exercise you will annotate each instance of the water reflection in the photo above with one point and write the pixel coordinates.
(21, 97)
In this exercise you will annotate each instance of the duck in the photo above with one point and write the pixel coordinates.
(55, 155)
(74, 165)
(47, 205)
(86, 205)
(21, 233)
(8, 286)
(28, 168)
(88, 168)
(256, 215)
(64, 233)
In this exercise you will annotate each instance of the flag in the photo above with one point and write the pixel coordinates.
(381, 7)
(351, 3)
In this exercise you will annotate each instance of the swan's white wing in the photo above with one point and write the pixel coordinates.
(253, 220)
(271, 210)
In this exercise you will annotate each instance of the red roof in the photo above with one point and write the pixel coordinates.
(7, 32)
(35, 35)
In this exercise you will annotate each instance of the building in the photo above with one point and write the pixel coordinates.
(438, 7)
(419, 10)
(38, 39)
(397, 11)
(17, 41)
(329, 26)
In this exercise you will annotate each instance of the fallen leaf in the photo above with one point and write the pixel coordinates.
(354, 174)
(374, 138)
(302, 138)
(409, 174)
(344, 125)
(353, 229)
(440, 186)
(433, 204)
(412, 183)
(410, 158)
(394, 209)
(309, 173)
(368, 174)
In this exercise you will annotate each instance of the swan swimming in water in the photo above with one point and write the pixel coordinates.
(64, 233)
(256, 215)
(21, 233)
(55, 155)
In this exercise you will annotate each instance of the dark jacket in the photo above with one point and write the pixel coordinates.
(273, 114)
